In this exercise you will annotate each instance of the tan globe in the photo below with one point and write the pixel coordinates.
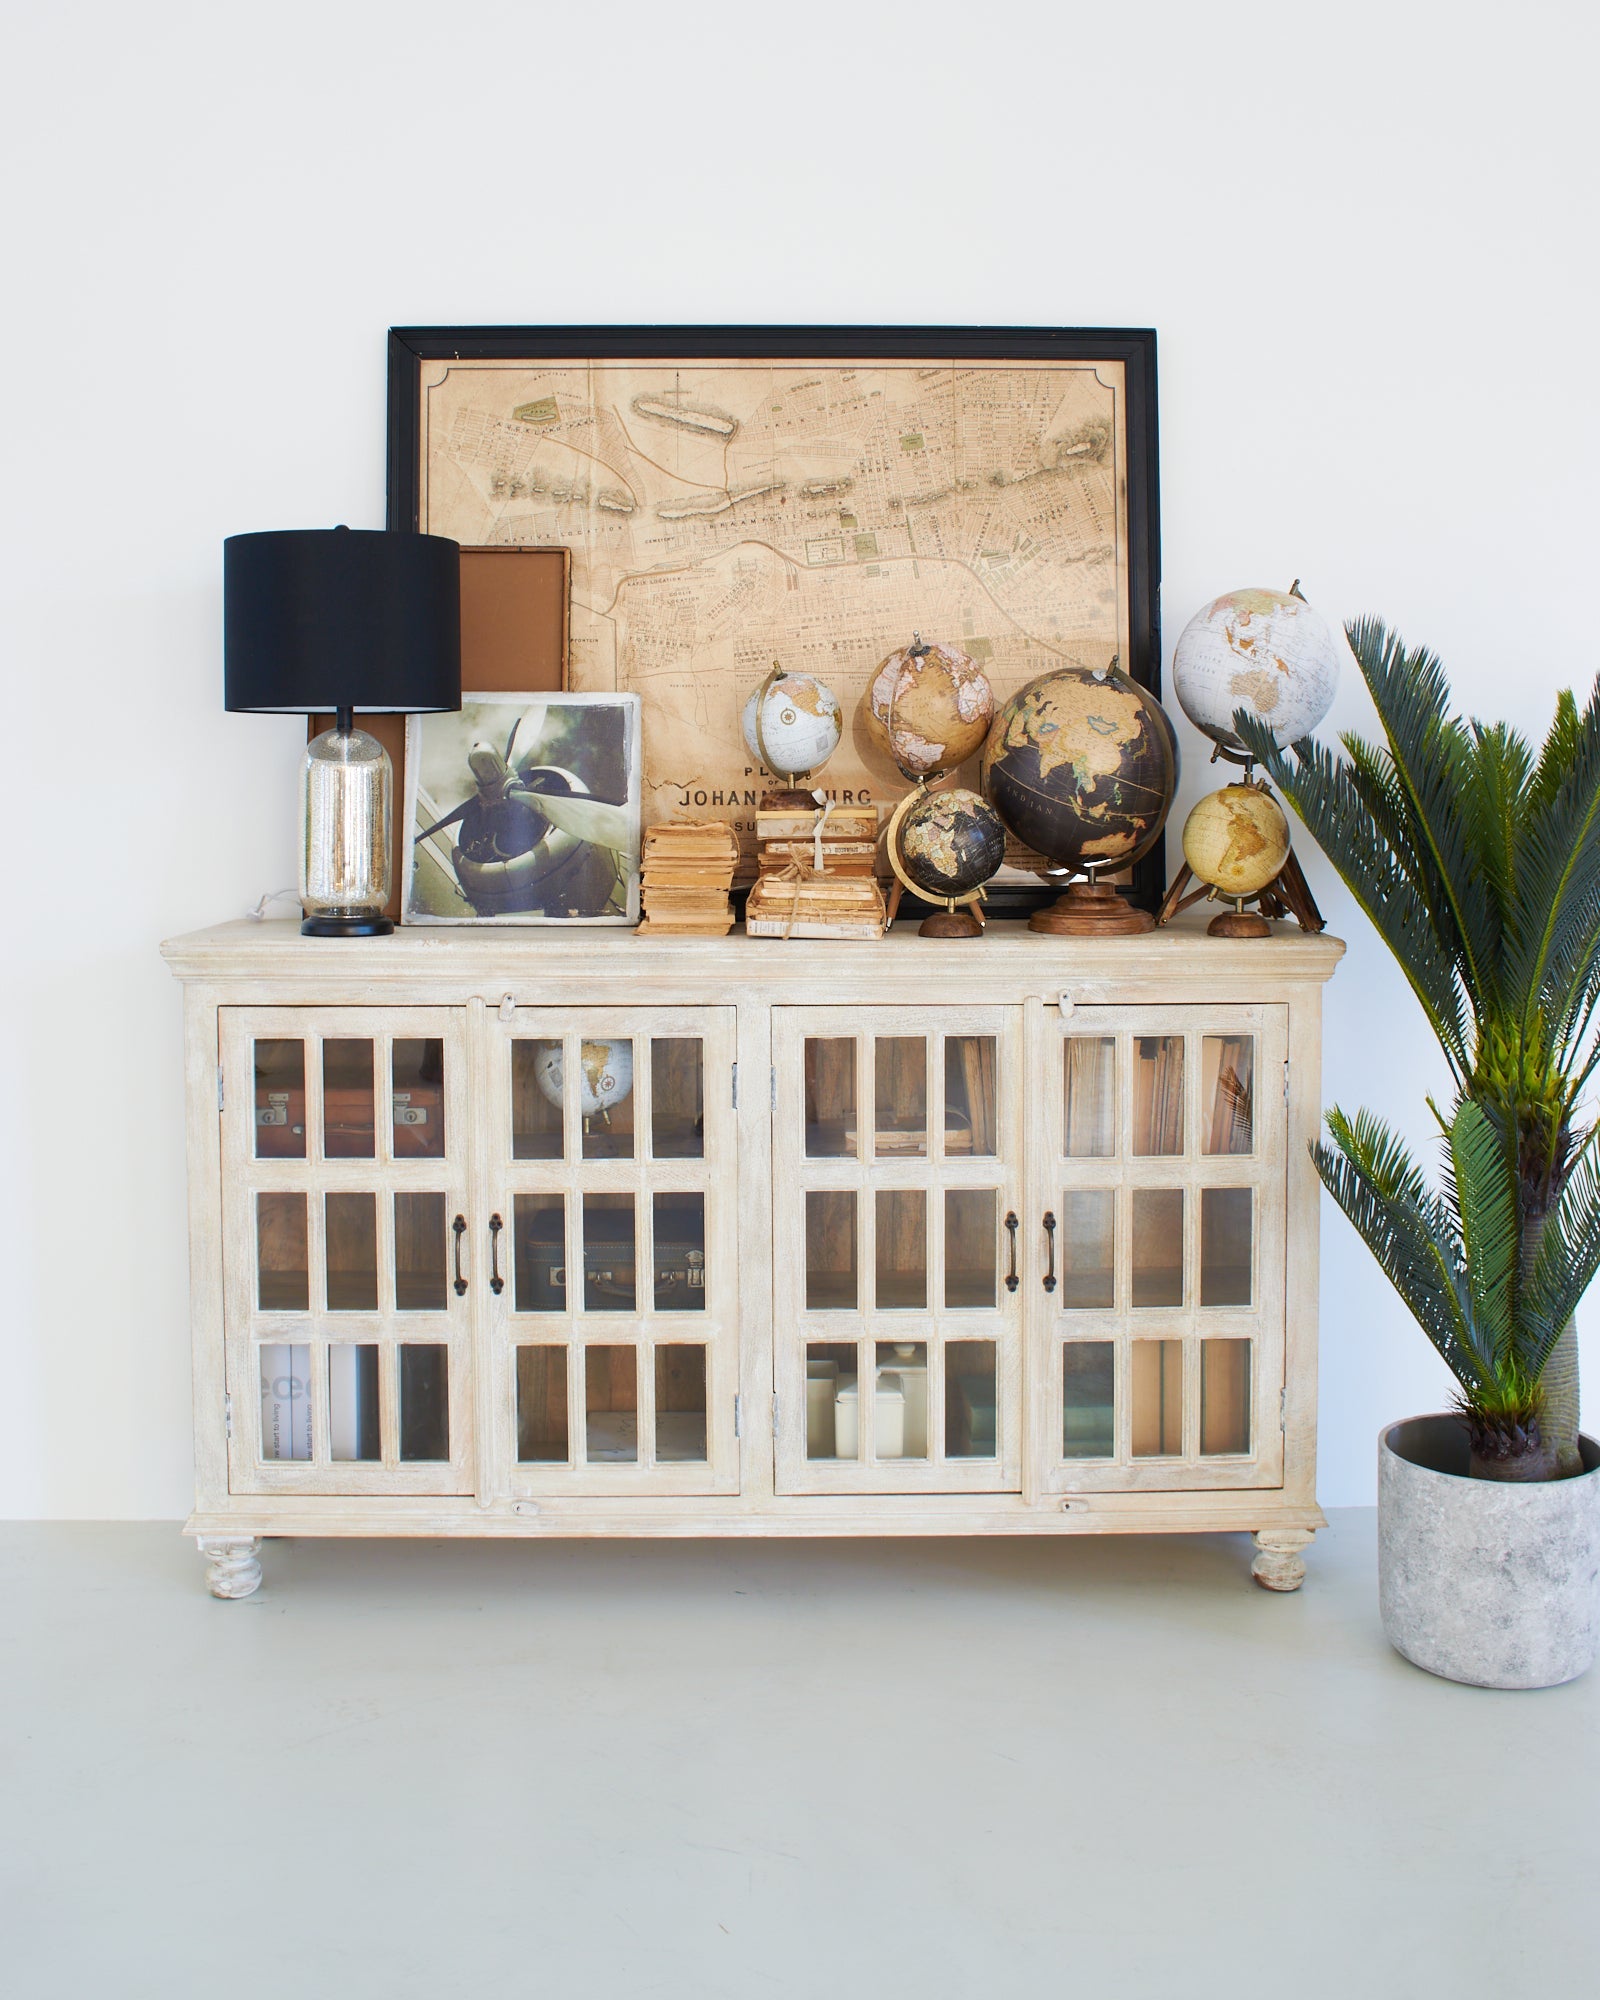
(930, 707)
(1237, 840)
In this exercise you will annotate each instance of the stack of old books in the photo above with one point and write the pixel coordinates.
(685, 875)
(816, 875)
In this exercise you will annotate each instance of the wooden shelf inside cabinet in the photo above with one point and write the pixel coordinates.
(603, 1234)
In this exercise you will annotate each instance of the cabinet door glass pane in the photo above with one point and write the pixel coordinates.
(536, 1121)
(1157, 1247)
(830, 1368)
(900, 1406)
(349, 1127)
(1088, 1249)
(680, 1405)
(542, 1406)
(1225, 1233)
(420, 1280)
(830, 1249)
(611, 1405)
(354, 1432)
(1157, 1094)
(285, 1401)
(605, 1099)
(902, 1249)
(830, 1091)
(969, 1399)
(971, 1248)
(679, 1222)
(677, 1099)
(280, 1106)
(283, 1267)
(900, 1096)
(608, 1254)
(418, 1085)
(969, 1096)
(352, 1228)
(1224, 1397)
(424, 1400)
(1089, 1110)
(1088, 1399)
(1227, 1093)
(539, 1254)
(1156, 1368)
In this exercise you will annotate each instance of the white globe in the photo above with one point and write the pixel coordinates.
(1265, 651)
(801, 723)
(605, 1075)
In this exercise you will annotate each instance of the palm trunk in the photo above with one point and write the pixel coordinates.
(1558, 1416)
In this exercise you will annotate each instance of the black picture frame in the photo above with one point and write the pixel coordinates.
(1134, 347)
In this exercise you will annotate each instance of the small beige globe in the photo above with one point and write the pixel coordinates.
(1237, 840)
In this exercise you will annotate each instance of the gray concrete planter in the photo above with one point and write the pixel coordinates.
(1496, 1585)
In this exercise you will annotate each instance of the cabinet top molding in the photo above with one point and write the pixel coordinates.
(1180, 959)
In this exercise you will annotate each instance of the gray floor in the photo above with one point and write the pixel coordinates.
(865, 1769)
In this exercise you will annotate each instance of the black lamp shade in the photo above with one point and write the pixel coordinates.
(341, 618)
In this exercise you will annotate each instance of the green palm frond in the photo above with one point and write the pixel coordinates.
(1322, 791)
(1408, 1230)
(1433, 761)
(1567, 1261)
(1481, 1183)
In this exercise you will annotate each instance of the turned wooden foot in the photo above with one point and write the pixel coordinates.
(1278, 1566)
(232, 1568)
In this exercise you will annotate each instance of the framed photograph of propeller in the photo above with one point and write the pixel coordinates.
(524, 809)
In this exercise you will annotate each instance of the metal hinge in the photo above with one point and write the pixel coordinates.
(1286, 1083)
(227, 1415)
(736, 1416)
(1283, 1408)
(773, 1089)
(774, 1416)
(736, 1103)
(219, 1086)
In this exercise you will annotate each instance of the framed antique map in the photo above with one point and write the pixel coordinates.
(735, 496)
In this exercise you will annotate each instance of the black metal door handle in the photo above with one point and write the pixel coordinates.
(459, 1226)
(1050, 1239)
(1012, 1280)
(497, 1284)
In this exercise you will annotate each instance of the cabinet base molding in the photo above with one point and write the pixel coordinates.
(233, 1567)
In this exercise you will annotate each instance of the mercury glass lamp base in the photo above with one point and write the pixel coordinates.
(370, 926)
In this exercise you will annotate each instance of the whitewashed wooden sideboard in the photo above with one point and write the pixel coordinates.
(552, 1233)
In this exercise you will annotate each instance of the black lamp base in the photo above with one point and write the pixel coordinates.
(347, 927)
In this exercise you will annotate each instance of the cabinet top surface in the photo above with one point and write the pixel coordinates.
(1008, 956)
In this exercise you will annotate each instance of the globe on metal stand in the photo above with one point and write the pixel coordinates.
(944, 846)
(791, 726)
(1082, 766)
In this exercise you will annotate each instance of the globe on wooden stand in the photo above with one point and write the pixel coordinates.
(1082, 767)
(944, 846)
(791, 726)
(1236, 844)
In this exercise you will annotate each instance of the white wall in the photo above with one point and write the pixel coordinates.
(1365, 234)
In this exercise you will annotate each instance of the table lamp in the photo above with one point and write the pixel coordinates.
(342, 619)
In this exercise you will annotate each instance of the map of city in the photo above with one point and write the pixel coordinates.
(725, 514)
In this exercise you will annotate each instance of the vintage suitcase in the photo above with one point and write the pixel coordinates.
(347, 1123)
(609, 1256)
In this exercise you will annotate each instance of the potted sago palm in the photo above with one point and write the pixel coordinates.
(1478, 862)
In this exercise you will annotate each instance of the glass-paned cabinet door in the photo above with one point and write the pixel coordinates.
(347, 1286)
(896, 1157)
(1154, 1255)
(614, 1308)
